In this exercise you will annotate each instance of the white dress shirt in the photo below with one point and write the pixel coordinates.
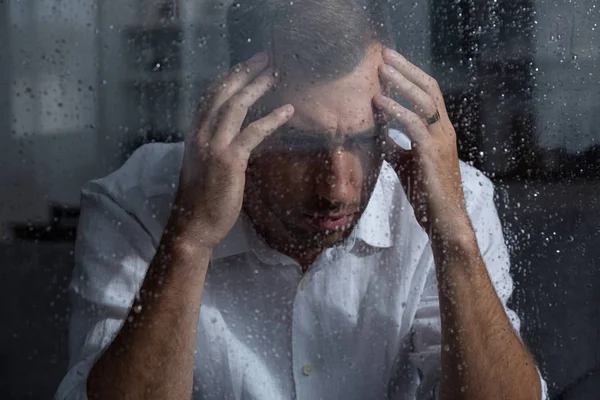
(362, 323)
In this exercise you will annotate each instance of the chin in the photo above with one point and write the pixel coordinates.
(318, 239)
(331, 239)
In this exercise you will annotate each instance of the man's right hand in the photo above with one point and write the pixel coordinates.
(207, 204)
(212, 178)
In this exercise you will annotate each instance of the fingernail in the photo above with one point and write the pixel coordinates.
(389, 69)
(288, 109)
(392, 53)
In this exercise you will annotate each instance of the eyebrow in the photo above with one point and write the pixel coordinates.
(319, 135)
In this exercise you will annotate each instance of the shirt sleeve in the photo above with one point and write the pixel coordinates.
(426, 329)
(112, 253)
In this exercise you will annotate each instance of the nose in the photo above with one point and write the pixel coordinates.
(336, 181)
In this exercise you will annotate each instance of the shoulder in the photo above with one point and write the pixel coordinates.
(153, 169)
(144, 185)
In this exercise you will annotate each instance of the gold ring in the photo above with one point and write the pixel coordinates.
(433, 119)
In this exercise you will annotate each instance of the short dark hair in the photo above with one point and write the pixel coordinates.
(323, 38)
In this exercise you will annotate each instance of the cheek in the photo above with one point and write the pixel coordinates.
(281, 175)
(369, 163)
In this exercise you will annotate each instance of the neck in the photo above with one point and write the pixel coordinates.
(283, 242)
(305, 256)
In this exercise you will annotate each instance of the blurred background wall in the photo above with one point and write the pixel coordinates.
(86, 82)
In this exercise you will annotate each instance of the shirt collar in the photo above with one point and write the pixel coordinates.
(373, 228)
(238, 240)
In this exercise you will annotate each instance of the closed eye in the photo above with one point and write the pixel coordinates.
(363, 140)
(305, 142)
(302, 142)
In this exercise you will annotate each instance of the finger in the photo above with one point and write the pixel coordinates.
(422, 102)
(413, 73)
(219, 92)
(412, 123)
(258, 130)
(238, 77)
(234, 111)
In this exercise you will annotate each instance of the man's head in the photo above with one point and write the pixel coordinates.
(319, 39)
(310, 181)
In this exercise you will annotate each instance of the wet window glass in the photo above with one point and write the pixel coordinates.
(265, 199)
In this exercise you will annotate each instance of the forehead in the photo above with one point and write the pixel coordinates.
(340, 106)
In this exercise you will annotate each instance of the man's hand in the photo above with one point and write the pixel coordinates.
(160, 329)
(430, 172)
(212, 179)
(484, 357)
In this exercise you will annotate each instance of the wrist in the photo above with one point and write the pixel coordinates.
(457, 258)
(188, 226)
(187, 236)
(180, 262)
(454, 238)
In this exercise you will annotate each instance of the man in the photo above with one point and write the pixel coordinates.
(291, 249)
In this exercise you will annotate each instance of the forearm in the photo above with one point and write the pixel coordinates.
(152, 355)
(482, 357)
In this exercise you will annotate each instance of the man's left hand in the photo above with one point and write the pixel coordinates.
(430, 171)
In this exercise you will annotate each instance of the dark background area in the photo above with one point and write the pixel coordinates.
(498, 88)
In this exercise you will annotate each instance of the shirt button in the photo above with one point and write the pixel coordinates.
(307, 369)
